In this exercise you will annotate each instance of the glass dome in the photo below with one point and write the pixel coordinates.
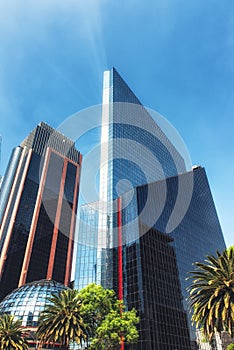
(28, 301)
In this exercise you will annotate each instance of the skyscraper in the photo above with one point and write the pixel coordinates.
(146, 192)
(134, 151)
(129, 135)
(143, 273)
(197, 235)
(38, 205)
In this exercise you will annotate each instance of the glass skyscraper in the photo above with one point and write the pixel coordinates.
(130, 139)
(38, 205)
(134, 151)
(151, 207)
(197, 235)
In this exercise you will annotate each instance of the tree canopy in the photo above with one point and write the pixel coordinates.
(12, 334)
(212, 293)
(93, 317)
(115, 327)
(107, 318)
(97, 302)
(61, 321)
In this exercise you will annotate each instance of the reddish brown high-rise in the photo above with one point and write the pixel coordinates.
(38, 205)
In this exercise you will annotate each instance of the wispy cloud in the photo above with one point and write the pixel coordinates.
(43, 44)
(31, 24)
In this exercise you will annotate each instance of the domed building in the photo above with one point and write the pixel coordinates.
(27, 302)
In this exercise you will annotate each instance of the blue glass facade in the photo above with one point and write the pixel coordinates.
(138, 150)
(198, 233)
(86, 269)
(134, 151)
(158, 196)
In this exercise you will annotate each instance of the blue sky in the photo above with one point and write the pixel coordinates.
(176, 55)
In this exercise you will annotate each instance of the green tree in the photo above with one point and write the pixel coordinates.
(97, 302)
(230, 346)
(118, 325)
(12, 334)
(61, 321)
(106, 318)
(212, 293)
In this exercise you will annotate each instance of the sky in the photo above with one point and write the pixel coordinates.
(176, 55)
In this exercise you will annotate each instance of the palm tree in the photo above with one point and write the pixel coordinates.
(61, 321)
(12, 334)
(212, 293)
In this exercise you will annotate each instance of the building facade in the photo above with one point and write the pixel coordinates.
(150, 284)
(197, 235)
(145, 192)
(134, 151)
(141, 267)
(38, 205)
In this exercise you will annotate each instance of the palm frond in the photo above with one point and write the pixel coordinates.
(211, 293)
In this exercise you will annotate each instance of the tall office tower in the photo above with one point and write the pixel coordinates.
(134, 151)
(145, 191)
(197, 235)
(130, 139)
(144, 274)
(150, 283)
(38, 210)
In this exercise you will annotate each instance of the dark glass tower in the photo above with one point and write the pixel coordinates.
(134, 151)
(151, 207)
(197, 235)
(130, 139)
(38, 206)
(150, 283)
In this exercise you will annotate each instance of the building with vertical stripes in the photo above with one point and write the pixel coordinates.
(38, 206)
(155, 218)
